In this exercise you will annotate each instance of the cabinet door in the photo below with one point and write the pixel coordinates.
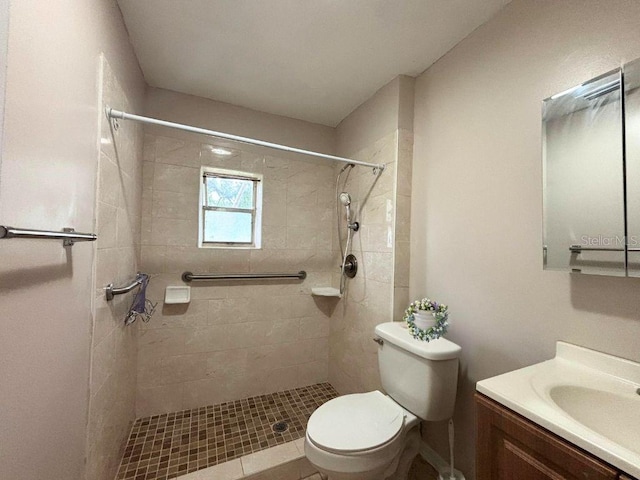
(510, 447)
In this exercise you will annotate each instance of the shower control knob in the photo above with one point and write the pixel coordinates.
(350, 266)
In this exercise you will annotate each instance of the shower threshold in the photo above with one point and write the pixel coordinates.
(175, 444)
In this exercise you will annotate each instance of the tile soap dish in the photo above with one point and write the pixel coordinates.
(177, 294)
(326, 292)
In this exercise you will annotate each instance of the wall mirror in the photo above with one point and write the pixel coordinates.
(591, 175)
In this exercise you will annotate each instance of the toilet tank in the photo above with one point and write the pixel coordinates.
(420, 376)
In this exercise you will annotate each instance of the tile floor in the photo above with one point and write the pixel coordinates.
(166, 446)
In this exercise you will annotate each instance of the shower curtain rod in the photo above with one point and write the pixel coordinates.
(118, 114)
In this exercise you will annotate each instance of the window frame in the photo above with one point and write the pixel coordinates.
(256, 211)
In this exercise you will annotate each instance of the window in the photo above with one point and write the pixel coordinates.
(231, 207)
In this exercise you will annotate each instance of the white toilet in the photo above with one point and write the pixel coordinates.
(375, 436)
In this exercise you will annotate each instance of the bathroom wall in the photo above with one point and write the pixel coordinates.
(236, 338)
(49, 166)
(112, 387)
(378, 131)
(477, 219)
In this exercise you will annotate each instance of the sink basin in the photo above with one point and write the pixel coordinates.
(588, 398)
(613, 415)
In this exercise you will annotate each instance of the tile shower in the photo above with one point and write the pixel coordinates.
(235, 339)
(213, 375)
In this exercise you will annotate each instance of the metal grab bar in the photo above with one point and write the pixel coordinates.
(68, 235)
(112, 291)
(188, 276)
(580, 249)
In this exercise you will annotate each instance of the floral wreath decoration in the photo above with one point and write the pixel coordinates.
(439, 311)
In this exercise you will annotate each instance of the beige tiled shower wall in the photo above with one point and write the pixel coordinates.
(402, 229)
(114, 346)
(353, 365)
(237, 338)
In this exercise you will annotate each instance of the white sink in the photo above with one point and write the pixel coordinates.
(589, 398)
(613, 415)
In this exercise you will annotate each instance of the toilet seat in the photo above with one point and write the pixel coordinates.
(356, 423)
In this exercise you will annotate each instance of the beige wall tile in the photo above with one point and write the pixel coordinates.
(302, 194)
(229, 310)
(378, 266)
(174, 232)
(274, 237)
(313, 372)
(314, 327)
(282, 331)
(174, 178)
(162, 341)
(223, 337)
(243, 323)
(159, 399)
(370, 299)
(106, 267)
(109, 183)
(153, 259)
(183, 206)
(402, 265)
(103, 361)
(106, 225)
(114, 346)
(400, 302)
(403, 217)
(177, 152)
(227, 363)
(191, 315)
(207, 391)
(173, 369)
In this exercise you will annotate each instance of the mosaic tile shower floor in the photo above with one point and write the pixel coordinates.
(166, 446)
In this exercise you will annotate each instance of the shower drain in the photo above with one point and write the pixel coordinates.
(280, 427)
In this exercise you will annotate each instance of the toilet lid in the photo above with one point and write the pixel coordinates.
(355, 422)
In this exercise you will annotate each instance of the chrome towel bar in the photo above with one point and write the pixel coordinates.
(188, 276)
(580, 249)
(68, 235)
(112, 291)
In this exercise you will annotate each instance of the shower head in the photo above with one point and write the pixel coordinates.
(345, 199)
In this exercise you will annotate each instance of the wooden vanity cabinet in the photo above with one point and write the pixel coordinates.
(510, 447)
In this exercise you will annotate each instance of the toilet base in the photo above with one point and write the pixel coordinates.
(405, 459)
(398, 469)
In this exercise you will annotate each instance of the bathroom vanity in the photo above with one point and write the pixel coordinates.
(576, 416)
(511, 447)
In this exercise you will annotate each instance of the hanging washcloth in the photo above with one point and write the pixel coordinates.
(139, 303)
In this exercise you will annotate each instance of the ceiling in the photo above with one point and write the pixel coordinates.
(314, 60)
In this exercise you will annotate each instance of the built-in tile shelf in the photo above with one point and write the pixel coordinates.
(326, 292)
